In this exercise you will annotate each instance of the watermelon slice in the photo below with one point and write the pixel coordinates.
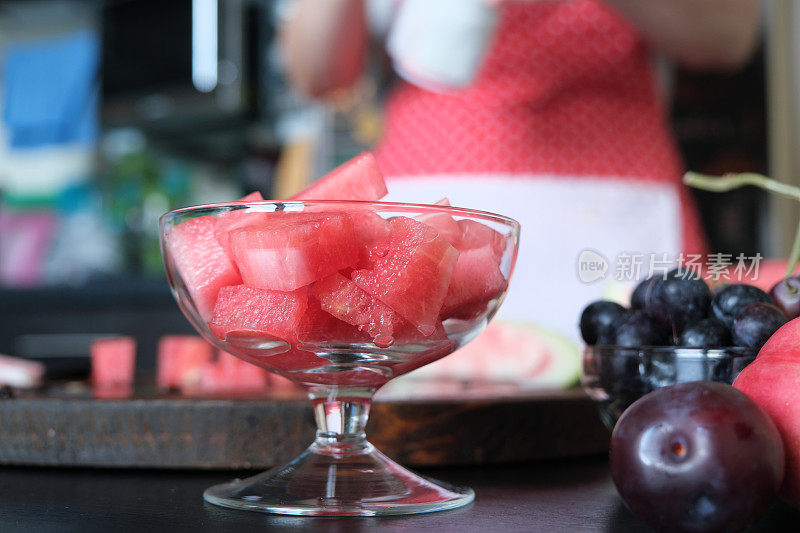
(180, 360)
(410, 272)
(357, 179)
(346, 301)
(476, 280)
(203, 264)
(293, 250)
(113, 361)
(262, 312)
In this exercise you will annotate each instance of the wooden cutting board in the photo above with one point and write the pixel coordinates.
(440, 424)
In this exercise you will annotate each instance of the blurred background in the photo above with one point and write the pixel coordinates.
(115, 111)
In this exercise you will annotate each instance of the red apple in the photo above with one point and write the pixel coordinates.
(773, 381)
(784, 343)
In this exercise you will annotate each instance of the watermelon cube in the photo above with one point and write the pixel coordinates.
(476, 280)
(295, 249)
(410, 272)
(295, 360)
(271, 314)
(203, 264)
(319, 327)
(357, 179)
(425, 349)
(343, 299)
(252, 197)
(113, 361)
(476, 235)
(181, 359)
(445, 225)
(370, 228)
(241, 218)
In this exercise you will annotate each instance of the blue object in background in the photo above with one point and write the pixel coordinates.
(50, 90)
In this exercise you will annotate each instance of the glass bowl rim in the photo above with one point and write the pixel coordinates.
(386, 206)
(718, 352)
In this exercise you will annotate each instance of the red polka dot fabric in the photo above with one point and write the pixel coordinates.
(566, 88)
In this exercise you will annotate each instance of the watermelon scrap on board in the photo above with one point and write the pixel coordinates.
(202, 262)
(357, 179)
(344, 299)
(271, 314)
(21, 373)
(180, 360)
(410, 272)
(229, 374)
(295, 249)
(113, 361)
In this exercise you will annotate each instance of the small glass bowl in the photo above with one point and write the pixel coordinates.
(615, 376)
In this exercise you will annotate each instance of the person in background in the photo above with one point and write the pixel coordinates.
(563, 124)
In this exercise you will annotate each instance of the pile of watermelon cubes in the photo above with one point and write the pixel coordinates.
(337, 274)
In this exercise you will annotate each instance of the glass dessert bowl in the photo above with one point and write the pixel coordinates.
(339, 297)
(617, 376)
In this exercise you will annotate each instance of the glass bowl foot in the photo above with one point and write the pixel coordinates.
(366, 483)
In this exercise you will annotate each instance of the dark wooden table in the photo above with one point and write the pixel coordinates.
(569, 496)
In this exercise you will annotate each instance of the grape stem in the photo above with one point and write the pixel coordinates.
(728, 182)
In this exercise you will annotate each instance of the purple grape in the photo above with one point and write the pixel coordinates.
(755, 324)
(634, 329)
(708, 333)
(640, 294)
(729, 300)
(679, 299)
(786, 294)
(698, 456)
(597, 319)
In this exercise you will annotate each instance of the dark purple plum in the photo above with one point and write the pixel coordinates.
(634, 329)
(679, 299)
(755, 324)
(730, 299)
(786, 294)
(597, 319)
(707, 333)
(698, 456)
(639, 296)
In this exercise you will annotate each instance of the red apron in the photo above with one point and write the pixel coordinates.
(566, 89)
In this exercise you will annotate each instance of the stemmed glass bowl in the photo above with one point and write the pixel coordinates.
(339, 297)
